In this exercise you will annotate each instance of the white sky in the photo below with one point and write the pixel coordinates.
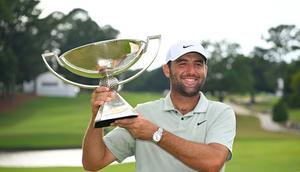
(238, 21)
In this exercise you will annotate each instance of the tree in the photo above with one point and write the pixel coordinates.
(73, 30)
(24, 37)
(283, 40)
(149, 81)
(266, 71)
(240, 78)
(17, 33)
(294, 94)
(228, 70)
(292, 85)
(279, 112)
(77, 28)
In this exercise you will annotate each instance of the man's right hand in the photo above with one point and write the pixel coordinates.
(99, 97)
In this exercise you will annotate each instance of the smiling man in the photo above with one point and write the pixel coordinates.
(182, 132)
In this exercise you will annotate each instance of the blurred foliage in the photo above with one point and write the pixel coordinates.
(18, 30)
(280, 112)
(24, 37)
(153, 81)
(231, 72)
(292, 85)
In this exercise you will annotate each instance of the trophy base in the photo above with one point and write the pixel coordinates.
(105, 123)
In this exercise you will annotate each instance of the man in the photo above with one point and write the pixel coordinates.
(180, 133)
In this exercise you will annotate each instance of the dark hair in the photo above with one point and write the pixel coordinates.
(203, 57)
(169, 63)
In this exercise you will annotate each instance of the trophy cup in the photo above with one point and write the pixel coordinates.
(105, 60)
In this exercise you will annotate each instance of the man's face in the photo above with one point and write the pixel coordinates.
(187, 74)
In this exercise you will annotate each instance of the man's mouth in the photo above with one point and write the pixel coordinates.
(190, 82)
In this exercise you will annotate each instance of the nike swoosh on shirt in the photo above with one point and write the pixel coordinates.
(199, 123)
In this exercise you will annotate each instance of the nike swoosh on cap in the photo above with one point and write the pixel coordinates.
(187, 46)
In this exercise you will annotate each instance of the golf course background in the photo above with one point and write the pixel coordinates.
(49, 123)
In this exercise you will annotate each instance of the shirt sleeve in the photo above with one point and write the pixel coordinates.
(120, 142)
(223, 129)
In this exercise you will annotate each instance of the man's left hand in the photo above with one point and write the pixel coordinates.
(139, 127)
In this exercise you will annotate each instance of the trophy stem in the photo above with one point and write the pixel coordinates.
(118, 108)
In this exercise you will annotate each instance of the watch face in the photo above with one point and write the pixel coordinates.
(156, 137)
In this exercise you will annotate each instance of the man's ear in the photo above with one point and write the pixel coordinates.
(206, 69)
(166, 70)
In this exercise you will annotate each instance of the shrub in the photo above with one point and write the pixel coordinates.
(279, 112)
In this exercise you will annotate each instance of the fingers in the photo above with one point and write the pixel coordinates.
(123, 122)
(100, 96)
(126, 121)
(101, 89)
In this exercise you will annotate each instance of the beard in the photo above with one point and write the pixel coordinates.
(179, 86)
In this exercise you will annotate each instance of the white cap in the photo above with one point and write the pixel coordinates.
(180, 48)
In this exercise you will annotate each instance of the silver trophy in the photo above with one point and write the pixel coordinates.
(105, 60)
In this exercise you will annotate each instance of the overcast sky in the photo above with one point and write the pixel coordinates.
(239, 21)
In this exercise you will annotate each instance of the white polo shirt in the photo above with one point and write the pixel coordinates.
(209, 122)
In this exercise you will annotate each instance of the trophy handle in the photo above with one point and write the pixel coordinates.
(50, 55)
(154, 37)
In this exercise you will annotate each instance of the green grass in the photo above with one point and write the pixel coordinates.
(254, 149)
(294, 115)
(126, 167)
(248, 128)
(267, 106)
(259, 150)
(45, 122)
(265, 103)
(135, 98)
(276, 155)
(48, 122)
(263, 106)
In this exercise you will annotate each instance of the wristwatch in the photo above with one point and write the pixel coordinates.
(157, 135)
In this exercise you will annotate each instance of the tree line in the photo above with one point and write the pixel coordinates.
(230, 71)
(24, 36)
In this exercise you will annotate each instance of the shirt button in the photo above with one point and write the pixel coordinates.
(182, 118)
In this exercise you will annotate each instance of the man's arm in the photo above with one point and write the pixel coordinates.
(95, 154)
(201, 157)
(204, 157)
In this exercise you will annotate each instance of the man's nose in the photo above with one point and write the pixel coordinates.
(191, 69)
